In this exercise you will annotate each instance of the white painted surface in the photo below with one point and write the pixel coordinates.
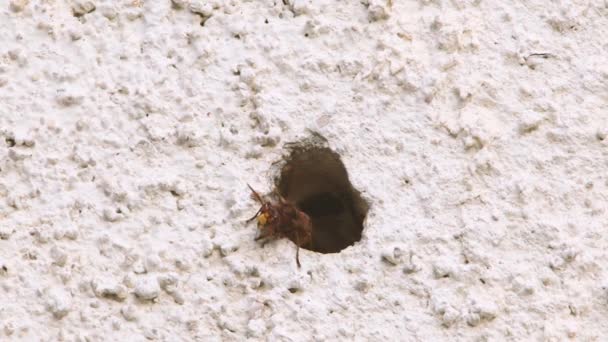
(476, 129)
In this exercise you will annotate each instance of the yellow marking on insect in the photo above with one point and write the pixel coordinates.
(262, 219)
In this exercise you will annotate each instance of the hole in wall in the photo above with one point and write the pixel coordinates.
(315, 179)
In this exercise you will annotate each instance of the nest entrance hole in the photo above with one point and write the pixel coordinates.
(316, 180)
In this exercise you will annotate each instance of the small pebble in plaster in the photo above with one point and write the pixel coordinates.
(480, 310)
(379, 9)
(411, 265)
(80, 8)
(601, 134)
(129, 313)
(147, 288)
(108, 288)
(530, 121)
(5, 233)
(392, 255)
(444, 269)
(59, 302)
(256, 328)
(18, 5)
(59, 256)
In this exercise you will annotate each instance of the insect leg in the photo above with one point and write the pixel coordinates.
(298, 257)
(298, 249)
(263, 234)
(256, 195)
(254, 216)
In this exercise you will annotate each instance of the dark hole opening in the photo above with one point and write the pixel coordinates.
(316, 180)
(322, 204)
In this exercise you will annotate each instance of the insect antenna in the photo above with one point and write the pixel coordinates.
(298, 249)
(254, 216)
(255, 195)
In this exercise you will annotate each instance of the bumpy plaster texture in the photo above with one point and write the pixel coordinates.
(476, 130)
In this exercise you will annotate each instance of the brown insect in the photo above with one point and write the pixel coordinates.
(282, 219)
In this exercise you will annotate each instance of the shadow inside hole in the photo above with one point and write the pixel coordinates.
(322, 204)
(316, 180)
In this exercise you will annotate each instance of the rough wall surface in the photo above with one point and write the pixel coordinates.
(477, 130)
